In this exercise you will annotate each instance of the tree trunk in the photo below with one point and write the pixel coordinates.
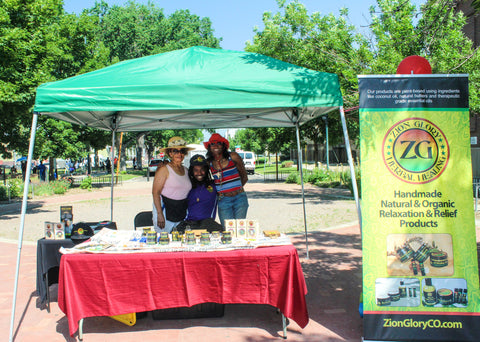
(315, 153)
(276, 166)
(89, 165)
(123, 159)
(52, 168)
(139, 151)
(96, 163)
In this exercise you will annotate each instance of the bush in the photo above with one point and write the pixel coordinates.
(3, 193)
(293, 178)
(319, 175)
(60, 187)
(16, 187)
(43, 189)
(347, 181)
(86, 183)
(261, 160)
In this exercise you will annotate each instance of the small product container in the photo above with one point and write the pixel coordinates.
(151, 237)
(445, 296)
(439, 259)
(394, 296)
(190, 238)
(164, 239)
(404, 253)
(176, 236)
(383, 301)
(422, 253)
(205, 239)
(226, 238)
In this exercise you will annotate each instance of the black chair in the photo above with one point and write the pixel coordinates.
(143, 219)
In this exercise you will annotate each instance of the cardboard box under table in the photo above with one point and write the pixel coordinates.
(112, 284)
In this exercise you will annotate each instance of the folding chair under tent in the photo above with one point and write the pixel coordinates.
(192, 88)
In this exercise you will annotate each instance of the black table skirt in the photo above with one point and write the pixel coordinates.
(48, 261)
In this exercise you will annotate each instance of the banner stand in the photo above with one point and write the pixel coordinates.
(420, 267)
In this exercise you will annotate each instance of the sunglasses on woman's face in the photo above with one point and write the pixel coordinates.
(175, 151)
(216, 143)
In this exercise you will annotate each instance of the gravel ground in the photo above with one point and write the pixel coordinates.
(275, 205)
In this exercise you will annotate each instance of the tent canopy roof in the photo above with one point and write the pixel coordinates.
(197, 87)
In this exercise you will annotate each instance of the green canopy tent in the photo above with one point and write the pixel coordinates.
(197, 87)
(192, 88)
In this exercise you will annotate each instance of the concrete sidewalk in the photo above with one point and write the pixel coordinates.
(333, 275)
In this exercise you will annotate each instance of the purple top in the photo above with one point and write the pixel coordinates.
(202, 203)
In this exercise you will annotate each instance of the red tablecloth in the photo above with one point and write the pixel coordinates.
(112, 284)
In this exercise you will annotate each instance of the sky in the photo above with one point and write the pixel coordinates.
(235, 21)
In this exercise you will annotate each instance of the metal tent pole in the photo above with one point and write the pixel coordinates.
(352, 166)
(112, 169)
(22, 220)
(300, 164)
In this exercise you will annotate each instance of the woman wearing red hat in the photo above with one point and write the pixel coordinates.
(230, 176)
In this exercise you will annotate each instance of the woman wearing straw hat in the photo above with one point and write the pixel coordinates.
(171, 186)
(230, 176)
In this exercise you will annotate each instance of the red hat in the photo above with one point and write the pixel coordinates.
(216, 138)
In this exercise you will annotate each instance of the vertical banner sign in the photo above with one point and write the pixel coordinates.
(420, 269)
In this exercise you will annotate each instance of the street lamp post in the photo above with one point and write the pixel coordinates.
(325, 118)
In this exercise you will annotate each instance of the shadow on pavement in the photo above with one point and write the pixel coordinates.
(333, 274)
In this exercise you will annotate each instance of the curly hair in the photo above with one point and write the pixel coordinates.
(208, 180)
(209, 155)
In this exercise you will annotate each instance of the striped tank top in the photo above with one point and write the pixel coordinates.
(228, 178)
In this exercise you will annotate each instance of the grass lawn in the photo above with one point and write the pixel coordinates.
(261, 169)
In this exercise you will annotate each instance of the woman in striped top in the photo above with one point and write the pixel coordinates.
(230, 176)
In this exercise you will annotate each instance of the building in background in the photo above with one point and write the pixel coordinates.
(472, 28)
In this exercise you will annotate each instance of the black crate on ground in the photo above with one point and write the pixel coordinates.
(197, 311)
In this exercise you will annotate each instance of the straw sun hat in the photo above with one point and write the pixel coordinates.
(176, 142)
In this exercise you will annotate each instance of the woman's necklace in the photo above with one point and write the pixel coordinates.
(219, 169)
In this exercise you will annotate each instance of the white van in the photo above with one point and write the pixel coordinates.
(198, 149)
(249, 159)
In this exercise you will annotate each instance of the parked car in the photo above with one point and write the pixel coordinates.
(249, 161)
(152, 166)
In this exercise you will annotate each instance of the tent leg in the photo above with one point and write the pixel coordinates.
(300, 165)
(352, 166)
(22, 220)
(112, 158)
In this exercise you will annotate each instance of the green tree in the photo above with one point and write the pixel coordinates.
(129, 31)
(248, 141)
(261, 140)
(183, 29)
(159, 139)
(38, 43)
(137, 30)
(28, 48)
(323, 43)
(437, 36)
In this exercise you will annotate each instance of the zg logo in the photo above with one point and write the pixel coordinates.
(415, 151)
